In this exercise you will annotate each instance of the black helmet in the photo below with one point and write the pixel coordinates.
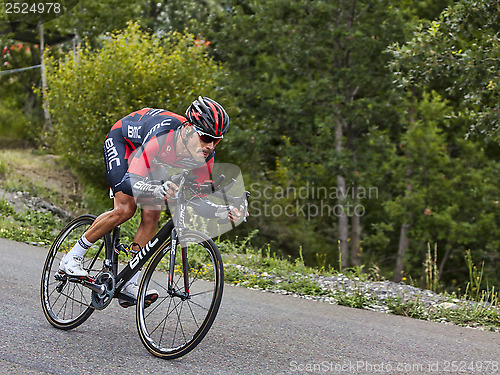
(208, 117)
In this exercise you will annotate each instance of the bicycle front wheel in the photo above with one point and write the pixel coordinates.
(180, 318)
(67, 304)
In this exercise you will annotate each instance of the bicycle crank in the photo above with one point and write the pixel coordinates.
(103, 290)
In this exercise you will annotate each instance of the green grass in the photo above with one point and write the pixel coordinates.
(3, 168)
(357, 299)
(463, 313)
(32, 226)
(411, 308)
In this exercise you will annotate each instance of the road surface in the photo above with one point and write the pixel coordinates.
(254, 333)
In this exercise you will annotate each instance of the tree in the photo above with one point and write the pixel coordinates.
(458, 56)
(89, 95)
(19, 107)
(313, 74)
(445, 195)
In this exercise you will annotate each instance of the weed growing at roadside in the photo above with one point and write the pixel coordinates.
(4, 168)
(411, 308)
(302, 286)
(5, 208)
(31, 226)
(358, 299)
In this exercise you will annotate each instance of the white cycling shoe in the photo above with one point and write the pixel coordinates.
(131, 291)
(73, 266)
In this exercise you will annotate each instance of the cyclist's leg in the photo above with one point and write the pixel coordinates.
(124, 208)
(116, 153)
(150, 215)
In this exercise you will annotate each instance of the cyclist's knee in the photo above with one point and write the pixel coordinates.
(124, 208)
(124, 212)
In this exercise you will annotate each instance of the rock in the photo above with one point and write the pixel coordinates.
(448, 305)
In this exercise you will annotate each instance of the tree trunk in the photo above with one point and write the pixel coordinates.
(343, 222)
(445, 258)
(343, 225)
(48, 122)
(404, 243)
(355, 240)
(355, 218)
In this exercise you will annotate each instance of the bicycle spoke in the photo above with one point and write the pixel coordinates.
(192, 314)
(179, 323)
(72, 305)
(166, 317)
(197, 304)
(201, 293)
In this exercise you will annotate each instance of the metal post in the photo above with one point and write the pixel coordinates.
(48, 122)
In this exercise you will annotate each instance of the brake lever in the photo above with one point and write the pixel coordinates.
(218, 181)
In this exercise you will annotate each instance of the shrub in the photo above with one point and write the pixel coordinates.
(132, 70)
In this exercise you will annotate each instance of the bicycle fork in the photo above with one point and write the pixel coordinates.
(172, 290)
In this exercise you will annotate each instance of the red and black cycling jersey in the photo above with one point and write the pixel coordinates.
(140, 142)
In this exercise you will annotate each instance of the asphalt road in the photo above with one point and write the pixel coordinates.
(254, 333)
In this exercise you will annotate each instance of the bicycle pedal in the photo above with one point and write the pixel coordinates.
(124, 300)
(127, 301)
(150, 300)
(62, 276)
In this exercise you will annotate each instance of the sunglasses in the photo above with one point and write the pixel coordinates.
(207, 138)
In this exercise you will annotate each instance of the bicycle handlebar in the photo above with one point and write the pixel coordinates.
(184, 181)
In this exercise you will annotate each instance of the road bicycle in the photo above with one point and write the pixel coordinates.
(182, 264)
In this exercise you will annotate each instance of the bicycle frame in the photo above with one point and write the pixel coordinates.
(158, 242)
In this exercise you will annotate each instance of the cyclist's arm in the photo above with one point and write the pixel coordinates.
(206, 208)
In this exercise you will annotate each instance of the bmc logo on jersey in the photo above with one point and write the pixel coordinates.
(111, 153)
(133, 132)
(165, 122)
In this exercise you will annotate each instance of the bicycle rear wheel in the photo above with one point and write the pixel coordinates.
(178, 321)
(68, 304)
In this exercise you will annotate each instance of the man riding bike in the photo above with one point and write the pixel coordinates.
(134, 144)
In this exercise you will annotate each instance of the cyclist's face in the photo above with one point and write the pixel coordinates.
(199, 149)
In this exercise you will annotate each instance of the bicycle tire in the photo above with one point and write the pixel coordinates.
(70, 306)
(172, 327)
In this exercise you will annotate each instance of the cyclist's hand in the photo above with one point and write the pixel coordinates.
(235, 215)
(166, 191)
(229, 213)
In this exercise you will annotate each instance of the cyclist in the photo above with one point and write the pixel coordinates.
(130, 148)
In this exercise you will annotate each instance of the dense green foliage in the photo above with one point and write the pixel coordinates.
(459, 55)
(132, 70)
(366, 128)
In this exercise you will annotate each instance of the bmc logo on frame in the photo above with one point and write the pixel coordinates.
(146, 249)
